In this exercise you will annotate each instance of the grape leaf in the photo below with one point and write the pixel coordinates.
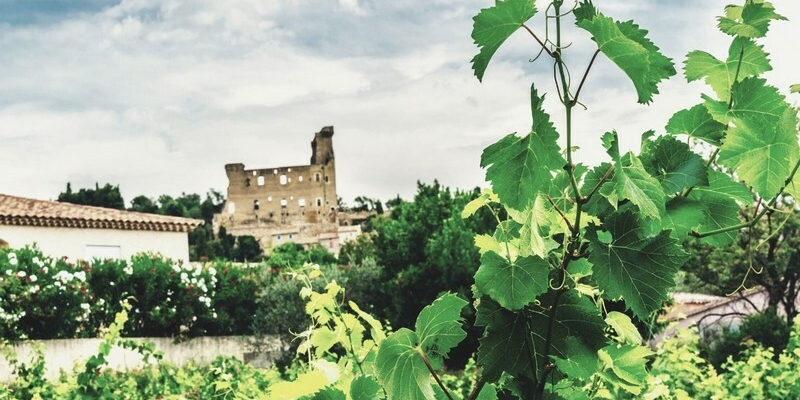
(697, 123)
(582, 360)
(632, 182)
(761, 146)
(401, 369)
(720, 75)
(752, 20)
(637, 268)
(493, 25)
(682, 216)
(519, 168)
(535, 220)
(626, 45)
(507, 346)
(329, 393)
(625, 366)
(625, 329)
(512, 284)
(719, 211)
(794, 88)
(673, 164)
(364, 387)
(439, 326)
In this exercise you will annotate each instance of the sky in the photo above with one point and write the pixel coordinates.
(156, 96)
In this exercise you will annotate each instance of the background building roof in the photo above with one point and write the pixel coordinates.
(30, 212)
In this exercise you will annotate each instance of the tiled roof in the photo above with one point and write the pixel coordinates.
(29, 212)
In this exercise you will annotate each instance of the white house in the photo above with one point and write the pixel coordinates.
(85, 232)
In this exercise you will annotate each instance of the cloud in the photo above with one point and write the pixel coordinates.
(157, 96)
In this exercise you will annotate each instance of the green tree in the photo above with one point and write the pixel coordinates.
(143, 204)
(107, 196)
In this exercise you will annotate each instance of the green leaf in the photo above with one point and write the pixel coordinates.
(697, 123)
(486, 197)
(534, 238)
(761, 146)
(794, 88)
(719, 212)
(519, 168)
(512, 284)
(493, 25)
(682, 216)
(365, 387)
(674, 165)
(625, 366)
(329, 393)
(582, 360)
(626, 45)
(634, 267)
(439, 326)
(514, 342)
(720, 75)
(401, 369)
(625, 329)
(632, 182)
(751, 21)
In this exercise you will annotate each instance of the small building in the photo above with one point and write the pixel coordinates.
(84, 232)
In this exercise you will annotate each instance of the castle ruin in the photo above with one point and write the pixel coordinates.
(287, 204)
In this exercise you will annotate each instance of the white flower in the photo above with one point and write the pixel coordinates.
(38, 262)
(85, 306)
(184, 277)
(128, 270)
(214, 314)
(12, 258)
(212, 271)
(21, 274)
(81, 275)
(34, 289)
(33, 278)
(111, 283)
(9, 272)
(176, 268)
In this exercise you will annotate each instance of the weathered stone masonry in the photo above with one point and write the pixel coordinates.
(281, 204)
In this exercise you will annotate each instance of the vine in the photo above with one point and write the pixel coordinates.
(582, 254)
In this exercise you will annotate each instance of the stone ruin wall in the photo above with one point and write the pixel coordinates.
(279, 204)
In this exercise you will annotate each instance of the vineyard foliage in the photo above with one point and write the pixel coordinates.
(583, 256)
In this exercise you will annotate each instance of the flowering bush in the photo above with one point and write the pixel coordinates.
(47, 298)
(43, 297)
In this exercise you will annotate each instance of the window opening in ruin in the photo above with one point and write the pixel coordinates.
(275, 172)
(247, 182)
(255, 205)
(319, 202)
(300, 178)
(278, 237)
(255, 173)
(301, 202)
(284, 203)
(326, 179)
(290, 236)
(283, 179)
(316, 177)
(260, 181)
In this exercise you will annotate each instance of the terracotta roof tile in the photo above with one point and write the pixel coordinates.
(29, 212)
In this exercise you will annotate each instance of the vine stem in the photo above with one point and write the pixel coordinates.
(585, 74)
(433, 372)
(558, 210)
(476, 390)
(544, 47)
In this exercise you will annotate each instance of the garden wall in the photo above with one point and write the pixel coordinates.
(64, 354)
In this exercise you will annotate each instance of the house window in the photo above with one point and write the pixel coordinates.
(316, 177)
(283, 179)
(231, 208)
(290, 236)
(300, 178)
(102, 252)
(255, 205)
(260, 181)
(284, 203)
(319, 202)
(247, 182)
(269, 198)
(275, 172)
(326, 179)
(278, 238)
(301, 202)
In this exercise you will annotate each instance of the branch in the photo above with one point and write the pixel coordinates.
(477, 390)
(600, 183)
(549, 53)
(585, 74)
(435, 375)
(550, 199)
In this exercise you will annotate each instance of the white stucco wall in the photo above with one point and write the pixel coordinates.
(73, 242)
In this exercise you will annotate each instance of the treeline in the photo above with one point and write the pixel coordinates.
(203, 243)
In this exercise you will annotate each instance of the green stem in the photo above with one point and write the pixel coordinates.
(476, 390)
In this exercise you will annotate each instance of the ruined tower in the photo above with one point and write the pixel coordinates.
(281, 204)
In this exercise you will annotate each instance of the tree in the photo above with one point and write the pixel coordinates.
(107, 196)
(143, 204)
